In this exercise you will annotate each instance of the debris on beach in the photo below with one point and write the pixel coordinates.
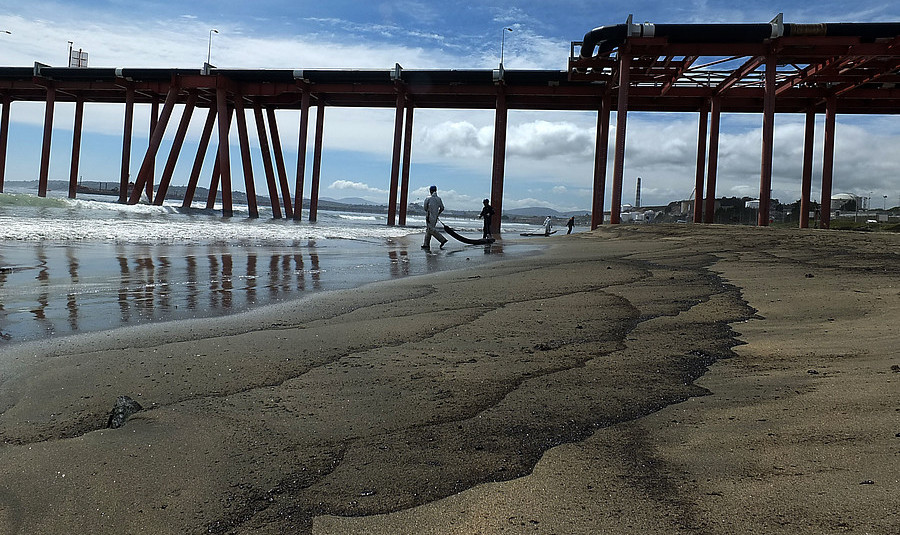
(124, 407)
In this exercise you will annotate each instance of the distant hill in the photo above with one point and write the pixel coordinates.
(351, 200)
(537, 211)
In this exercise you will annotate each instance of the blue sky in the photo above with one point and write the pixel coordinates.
(549, 154)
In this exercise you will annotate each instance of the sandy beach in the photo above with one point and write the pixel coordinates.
(635, 379)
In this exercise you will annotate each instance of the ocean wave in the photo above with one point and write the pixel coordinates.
(24, 199)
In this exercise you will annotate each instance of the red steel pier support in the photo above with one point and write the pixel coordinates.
(828, 161)
(267, 159)
(4, 136)
(169, 169)
(768, 138)
(145, 175)
(317, 161)
(709, 212)
(301, 154)
(244, 139)
(601, 149)
(395, 160)
(76, 146)
(806, 186)
(154, 120)
(499, 164)
(407, 156)
(48, 136)
(615, 209)
(202, 147)
(125, 173)
(701, 163)
(279, 163)
(223, 169)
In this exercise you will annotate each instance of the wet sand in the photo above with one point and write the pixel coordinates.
(656, 379)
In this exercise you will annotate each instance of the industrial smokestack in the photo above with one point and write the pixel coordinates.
(637, 194)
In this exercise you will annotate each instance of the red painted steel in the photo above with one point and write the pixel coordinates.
(279, 163)
(180, 133)
(828, 162)
(768, 139)
(499, 161)
(4, 136)
(76, 147)
(202, 147)
(145, 175)
(223, 169)
(317, 162)
(601, 157)
(214, 186)
(301, 154)
(702, 123)
(48, 136)
(151, 174)
(128, 125)
(395, 160)
(615, 209)
(712, 163)
(407, 157)
(806, 185)
(244, 139)
(267, 159)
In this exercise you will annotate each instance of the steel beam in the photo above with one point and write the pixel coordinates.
(128, 125)
(499, 162)
(301, 154)
(266, 152)
(712, 164)
(615, 209)
(768, 138)
(601, 150)
(806, 185)
(395, 160)
(279, 163)
(244, 139)
(223, 160)
(702, 123)
(828, 161)
(76, 147)
(154, 120)
(407, 156)
(202, 147)
(48, 137)
(317, 162)
(4, 136)
(214, 187)
(180, 133)
(145, 175)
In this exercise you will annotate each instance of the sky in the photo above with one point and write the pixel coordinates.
(550, 154)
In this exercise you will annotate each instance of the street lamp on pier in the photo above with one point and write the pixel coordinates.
(502, 42)
(209, 48)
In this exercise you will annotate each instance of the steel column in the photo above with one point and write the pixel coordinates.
(768, 138)
(615, 209)
(806, 185)
(145, 175)
(169, 169)
(76, 146)
(499, 163)
(279, 163)
(48, 136)
(301, 154)
(267, 159)
(244, 139)
(828, 161)
(202, 147)
(712, 164)
(317, 162)
(154, 120)
(223, 170)
(395, 161)
(407, 157)
(125, 174)
(4, 137)
(601, 159)
(214, 187)
(701, 163)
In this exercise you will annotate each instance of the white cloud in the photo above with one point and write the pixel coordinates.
(360, 187)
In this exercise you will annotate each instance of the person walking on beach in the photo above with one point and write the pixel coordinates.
(487, 214)
(546, 226)
(433, 208)
(571, 224)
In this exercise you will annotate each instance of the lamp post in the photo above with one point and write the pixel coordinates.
(502, 42)
(209, 48)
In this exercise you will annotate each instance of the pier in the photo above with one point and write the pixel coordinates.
(704, 69)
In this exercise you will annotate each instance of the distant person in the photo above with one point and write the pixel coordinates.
(571, 224)
(487, 214)
(546, 226)
(433, 208)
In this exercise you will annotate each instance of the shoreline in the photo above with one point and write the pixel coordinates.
(409, 401)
